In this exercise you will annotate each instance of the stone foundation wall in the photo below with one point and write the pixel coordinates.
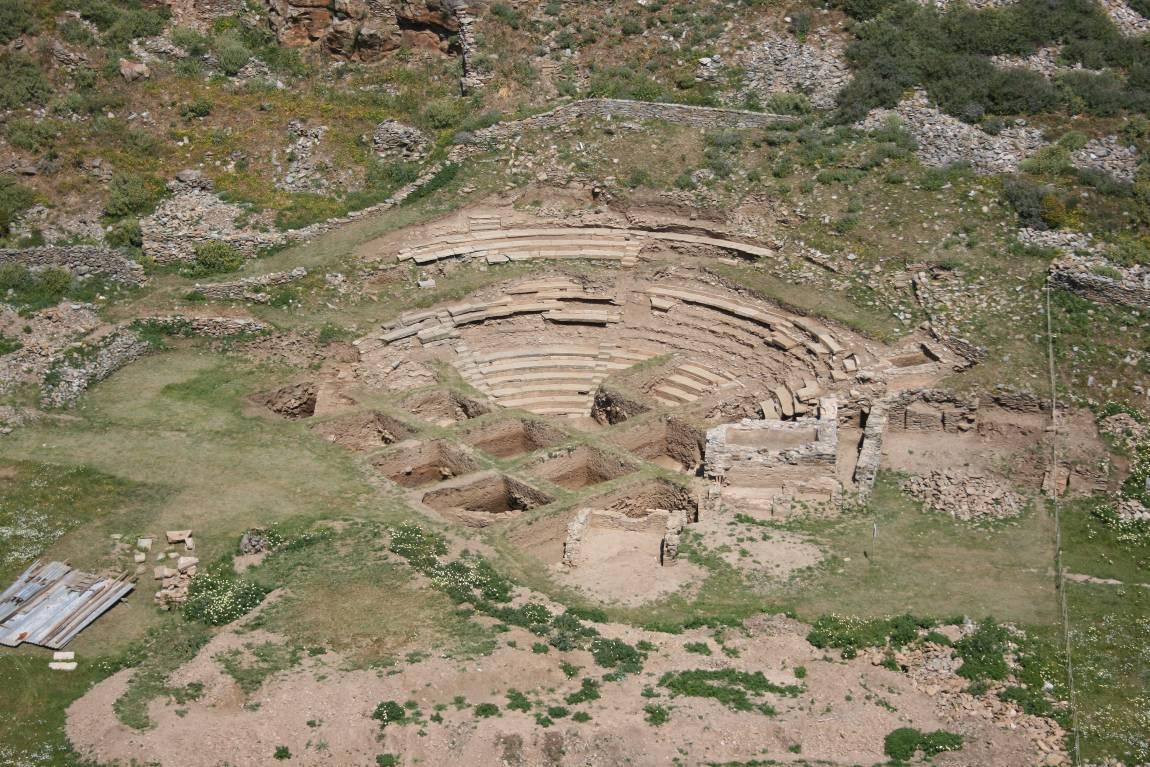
(80, 260)
(932, 410)
(870, 452)
(1100, 280)
(767, 449)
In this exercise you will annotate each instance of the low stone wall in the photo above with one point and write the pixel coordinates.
(72, 373)
(1100, 280)
(753, 448)
(210, 327)
(249, 289)
(80, 260)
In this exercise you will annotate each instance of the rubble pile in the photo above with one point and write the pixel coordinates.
(965, 495)
(1128, 21)
(397, 142)
(1109, 155)
(194, 214)
(174, 581)
(305, 171)
(932, 669)
(944, 140)
(782, 64)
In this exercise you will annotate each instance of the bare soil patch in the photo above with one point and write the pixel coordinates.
(668, 442)
(639, 499)
(294, 402)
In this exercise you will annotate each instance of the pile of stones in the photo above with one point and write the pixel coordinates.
(395, 141)
(944, 140)
(965, 495)
(782, 64)
(174, 581)
(305, 172)
(1109, 155)
(194, 214)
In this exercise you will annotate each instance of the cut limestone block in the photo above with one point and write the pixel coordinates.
(144, 544)
(62, 666)
(178, 536)
(64, 655)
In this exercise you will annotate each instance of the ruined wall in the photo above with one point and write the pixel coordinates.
(768, 452)
(870, 452)
(1100, 280)
(80, 260)
(72, 373)
(932, 410)
(250, 289)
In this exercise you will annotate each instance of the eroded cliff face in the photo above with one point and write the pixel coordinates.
(364, 29)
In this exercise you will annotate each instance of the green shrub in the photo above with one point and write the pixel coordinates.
(16, 18)
(217, 599)
(588, 691)
(282, 753)
(983, 652)
(387, 760)
(132, 194)
(730, 687)
(901, 744)
(32, 290)
(443, 113)
(194, 43)
(789, 104)
(389, 712)
(22, 82)
(617, 654)
(214, 257)
(31, 135)
(15, 198)
(699, 648)
(194, 109)
(656, 714)
(125, 233)
(233, 55)
(486, 710)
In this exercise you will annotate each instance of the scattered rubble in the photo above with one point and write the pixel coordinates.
(966, 495)
(305, 172)
(944, 140)
(1109, 155)
(782, 64)
(1128, 21)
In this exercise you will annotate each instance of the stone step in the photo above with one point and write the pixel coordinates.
(675, 393)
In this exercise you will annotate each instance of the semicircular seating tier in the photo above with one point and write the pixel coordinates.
(499, 246)
(546, 345)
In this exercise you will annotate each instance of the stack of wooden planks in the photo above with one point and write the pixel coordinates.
(51, 603)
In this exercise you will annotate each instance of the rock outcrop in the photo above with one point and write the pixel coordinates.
(364, 30)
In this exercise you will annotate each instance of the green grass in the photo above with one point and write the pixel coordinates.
(254, 664)
(926, 564)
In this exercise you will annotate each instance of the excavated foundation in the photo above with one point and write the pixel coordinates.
(581, 467)
(506, 439)
(668, 442)
(641, 499)
(293, 402)
(444, 407)
(364, 431)
(491, 493)
(414, 464)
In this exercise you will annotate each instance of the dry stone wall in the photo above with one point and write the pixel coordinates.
(1098, 279)
(80, 260)
(73, 372)
(251, 288)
